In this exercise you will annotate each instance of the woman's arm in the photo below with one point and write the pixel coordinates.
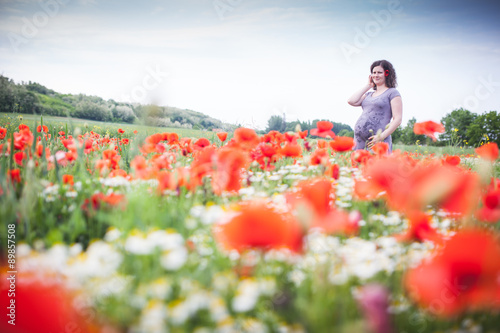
(359, 96)
(397, 117)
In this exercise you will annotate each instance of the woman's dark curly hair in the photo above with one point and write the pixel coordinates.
(391, 79)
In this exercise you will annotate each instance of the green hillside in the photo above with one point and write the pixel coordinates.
(36, 99)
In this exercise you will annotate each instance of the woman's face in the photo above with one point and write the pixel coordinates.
(378, 75)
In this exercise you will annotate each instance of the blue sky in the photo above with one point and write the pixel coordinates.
(242, 61)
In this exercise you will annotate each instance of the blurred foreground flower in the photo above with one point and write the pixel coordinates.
(408, 187)
(342, 143)
(258, 225)
(462, 276)
(313, 203)
(490, 211)
(374, 301)
(41, 307)
(222, 136)
(428, 128)
(488, 151)
(324, 129)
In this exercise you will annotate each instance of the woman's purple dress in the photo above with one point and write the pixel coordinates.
(377, 114)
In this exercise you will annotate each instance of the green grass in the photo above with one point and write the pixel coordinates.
(61, 123)
(439, 151)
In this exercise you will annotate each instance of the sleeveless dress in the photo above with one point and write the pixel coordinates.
(376, 115)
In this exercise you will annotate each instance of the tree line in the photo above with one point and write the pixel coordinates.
(278, 123)
(462, 128)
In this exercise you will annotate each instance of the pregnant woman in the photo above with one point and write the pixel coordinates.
(382, 107)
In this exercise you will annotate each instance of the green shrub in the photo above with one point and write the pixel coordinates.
(92, 111)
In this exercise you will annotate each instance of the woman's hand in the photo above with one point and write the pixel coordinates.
(370, 81)
(374, 139)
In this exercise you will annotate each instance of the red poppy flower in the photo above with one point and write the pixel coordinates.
(40, 128)
(202, 164)
(23, 138)
(112, 156)
(88, 144)
(120, 131)
(15, 175)
(202, 143)
(42, 307)
(303, 134)
(68, 179)
(228, 167)
(140, 167)
(338, 222)
(360, 156)
(410, 187)
(3, 132)
(490, 211)
(19, 157)
(268, 150)
(22, 127)
(380, 148)
(488, 151)
(39, 149)
(118, 173)
(71, 156)
(257, 225)
(462, 276)
(316, 193)
(161, 161)
(290, 137)
(322, 143)
(452, 160)
(324, 129)
(333, 171)
(166, 181)
(113, 199)
(173, 138)
(222, 136)
(265, 154)
(291, 150)
(154, 138)
(313, 202)
(428, 128)
(246, 138)
(319, 156)
(420, 229)
(342, 143)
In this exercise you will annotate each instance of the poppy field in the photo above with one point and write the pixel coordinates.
(126, 231)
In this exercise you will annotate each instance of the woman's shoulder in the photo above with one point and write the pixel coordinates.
(393, 92)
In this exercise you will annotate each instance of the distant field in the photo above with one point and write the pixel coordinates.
(60, 123)
(425, 150)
